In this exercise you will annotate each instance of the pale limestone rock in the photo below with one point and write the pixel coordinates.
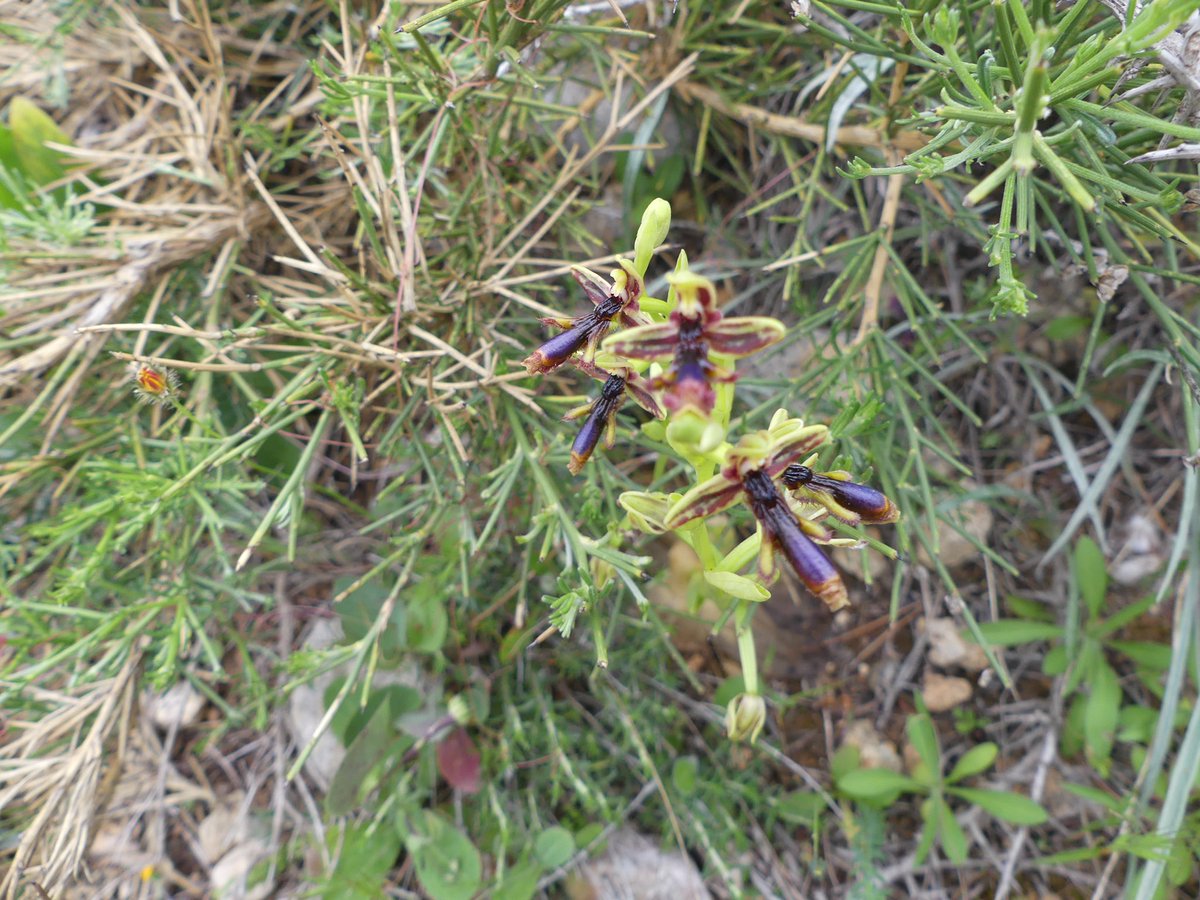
(949, 648)
(944, 692)
(874, 750)
(636, 868)
(179, 705)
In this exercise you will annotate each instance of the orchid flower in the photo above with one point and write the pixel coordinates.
(748, 473)
(696, 328)
(621, 299)
(601, 412)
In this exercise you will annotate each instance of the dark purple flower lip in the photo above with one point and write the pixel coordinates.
(847, 500)
(601, 420)
(588, 329)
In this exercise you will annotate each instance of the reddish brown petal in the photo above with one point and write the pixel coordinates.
(593, 287)
(797, 442)
(743, 335)
(639, 390)
(705, 499)
(656, 341)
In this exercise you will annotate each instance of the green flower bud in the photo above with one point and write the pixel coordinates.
(686, 431)
(656, 221)
(745, 717)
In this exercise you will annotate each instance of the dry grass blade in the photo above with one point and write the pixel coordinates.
(64, 788)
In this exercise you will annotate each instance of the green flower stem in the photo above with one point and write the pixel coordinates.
(746, 650)
(654, 306)
(598, 637)
(1031, 105)
(695, 535)
(1004, 230)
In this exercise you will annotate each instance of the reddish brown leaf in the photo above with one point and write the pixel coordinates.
(458, 761)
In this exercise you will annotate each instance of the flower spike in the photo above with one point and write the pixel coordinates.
(589, 329)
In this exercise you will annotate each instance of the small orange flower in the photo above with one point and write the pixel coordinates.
(154, 385)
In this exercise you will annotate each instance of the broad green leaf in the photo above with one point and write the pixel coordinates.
(359, 610)
(375, 743)
(366, 857)
(1071, 740)
(738, 586)
(31, 129)
(1181, 863)
(923, 736)
(519, 882)
(1090, 658)
(1015, 808)
(930, 809)
(874, 784)
(844, 761)
(1123, 617)
(1011, 632)
(427, 622)
(350, 719)
(1100, 717)
(1029, 609)
(1066, 327)
(1055, 662)
(800, 807)
(977, 759)
(1150, 654)
(1137, 723)
(1145, 846)
(1071, 856)
(954, 842)
(553, 847)
(684, 772)
(1090, 574)
(1113, 804)
(447, 863)
(8, 162)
